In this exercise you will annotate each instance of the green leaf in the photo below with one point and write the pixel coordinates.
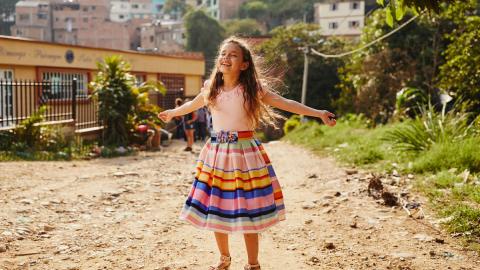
(381, 2)
(389, 17)
(400, 10)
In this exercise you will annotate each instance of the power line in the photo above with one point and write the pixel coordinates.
(365, 46)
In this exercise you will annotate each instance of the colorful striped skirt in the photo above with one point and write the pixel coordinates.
(235, 188)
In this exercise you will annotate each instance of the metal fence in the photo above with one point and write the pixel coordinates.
(20, 99)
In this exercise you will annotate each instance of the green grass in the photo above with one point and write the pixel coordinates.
(438, 167)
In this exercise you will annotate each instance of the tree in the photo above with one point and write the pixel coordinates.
(204, 34)
(245, 27)
(284, 53)
(396, 9)
(460, 75)
(122, 104)
(7, 9)
(176, 7)
(254, 10)
(410, 58)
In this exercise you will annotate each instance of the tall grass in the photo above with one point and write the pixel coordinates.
(430, 127)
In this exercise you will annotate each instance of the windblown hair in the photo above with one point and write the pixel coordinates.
(255, 83)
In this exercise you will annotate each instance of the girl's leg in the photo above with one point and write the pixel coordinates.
(251, 242)
(222, 243)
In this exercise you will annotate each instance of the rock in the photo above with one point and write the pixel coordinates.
(308, 221)
(395, 173)
(329, 245)
(48, 228)
(353, 225)
(26, 201)
(338, 194)
(312, 176)
(410, 176)
(123, 174)
(308, 206)
(423, 237)
(389, 199)
(292, 247)
(403, 255)
(439, 240)
(351, 171)
(3, 248)
(314, 259)
(448, 254)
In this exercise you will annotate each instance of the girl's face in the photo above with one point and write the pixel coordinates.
(231, 59)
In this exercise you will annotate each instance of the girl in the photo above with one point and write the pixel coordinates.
(235, 187)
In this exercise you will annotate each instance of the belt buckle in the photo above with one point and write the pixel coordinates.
(227, 137)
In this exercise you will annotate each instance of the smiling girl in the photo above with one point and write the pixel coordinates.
(235, 187)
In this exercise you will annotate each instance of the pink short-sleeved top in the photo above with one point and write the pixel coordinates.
(228, 111)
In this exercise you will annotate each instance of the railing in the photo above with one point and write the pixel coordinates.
(20, 99)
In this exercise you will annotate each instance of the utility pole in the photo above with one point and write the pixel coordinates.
(306, 50)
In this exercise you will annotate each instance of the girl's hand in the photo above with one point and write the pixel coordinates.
(328, 118)
(166, 116)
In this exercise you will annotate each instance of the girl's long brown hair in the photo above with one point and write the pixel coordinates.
(254, 81)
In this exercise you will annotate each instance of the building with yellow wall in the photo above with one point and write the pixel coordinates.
(22, 59)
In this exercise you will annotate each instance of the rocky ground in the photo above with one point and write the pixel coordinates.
(122, 213)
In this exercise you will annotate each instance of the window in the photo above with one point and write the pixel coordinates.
(353, 24)
(332, 25)
(121, 16)
(151, 38)
(93, 7)
(135, 6)
(354, 5)
(175, 85)
(173, 82)
(57, 19)
(140, 79)
(333, 6)
(60, 80)
(85, 19)
(24, 17)
(42, 16)
(85, 9)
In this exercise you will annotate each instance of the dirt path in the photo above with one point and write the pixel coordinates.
(122, 214)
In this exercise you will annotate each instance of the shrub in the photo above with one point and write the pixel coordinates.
(292, 123)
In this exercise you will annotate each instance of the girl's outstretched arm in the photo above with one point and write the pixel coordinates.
(187, 107)
(293, 106)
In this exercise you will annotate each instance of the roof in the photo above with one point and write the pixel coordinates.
(186, 55)
(30, 3)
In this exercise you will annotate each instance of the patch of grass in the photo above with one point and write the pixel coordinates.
(464, 154)
(351, 143)
(450, 196)
(464, 219)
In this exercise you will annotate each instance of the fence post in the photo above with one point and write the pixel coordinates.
(74, 100)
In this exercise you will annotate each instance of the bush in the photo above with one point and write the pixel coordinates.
(292, 123)
(429, 128)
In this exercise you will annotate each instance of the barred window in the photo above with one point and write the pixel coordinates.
(175, 85)
(60, 80)
(173, 82)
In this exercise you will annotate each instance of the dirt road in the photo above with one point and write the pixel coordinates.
(122, 214)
